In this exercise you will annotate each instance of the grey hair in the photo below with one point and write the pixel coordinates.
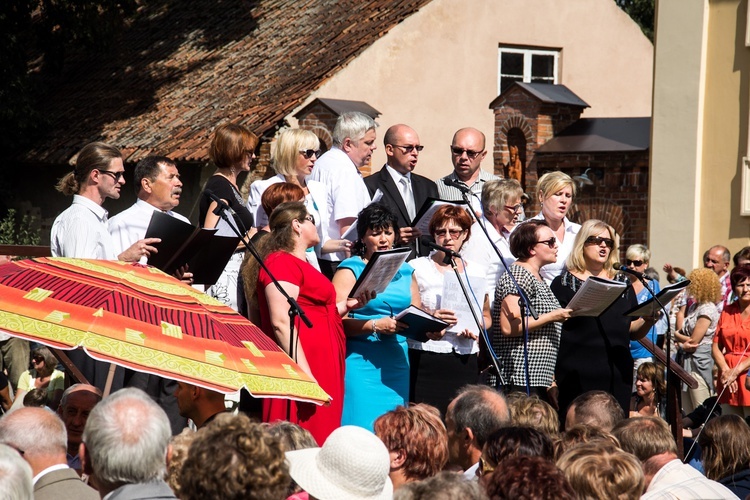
(475, 409)
(353, 125)
(15, 475)
(36, 431)
(497, 192)
(127, 436)
(444, 485)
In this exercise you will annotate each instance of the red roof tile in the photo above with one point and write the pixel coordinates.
(182, 68)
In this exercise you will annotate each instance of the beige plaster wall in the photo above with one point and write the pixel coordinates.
(676, 131)
(437, 70)
(725, 134)
(699, 129)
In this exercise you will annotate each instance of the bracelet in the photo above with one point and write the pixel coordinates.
(374, 328)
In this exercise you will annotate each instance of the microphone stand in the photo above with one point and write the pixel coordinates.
(294, 308)
(523, 300)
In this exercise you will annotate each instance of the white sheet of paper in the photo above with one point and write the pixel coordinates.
(454, 300)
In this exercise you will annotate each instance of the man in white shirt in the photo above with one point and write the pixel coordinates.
(81, 230)
(716, 259)
(159, 189)
(467, 152)
(40, 437)
(353, 143)
(649, 439)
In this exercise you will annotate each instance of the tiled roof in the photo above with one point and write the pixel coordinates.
(182, 68)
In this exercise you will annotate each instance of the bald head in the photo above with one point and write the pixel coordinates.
(39, 433)
(197, 403)
(402, 148)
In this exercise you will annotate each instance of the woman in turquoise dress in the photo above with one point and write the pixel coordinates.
(377, 363)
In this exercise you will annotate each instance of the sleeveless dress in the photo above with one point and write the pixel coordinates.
(324, 344)
(377, 365)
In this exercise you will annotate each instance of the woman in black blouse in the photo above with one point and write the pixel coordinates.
(232, 151)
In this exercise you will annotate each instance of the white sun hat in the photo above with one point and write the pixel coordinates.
(352, 464)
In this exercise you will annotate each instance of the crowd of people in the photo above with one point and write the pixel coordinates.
(518, 397)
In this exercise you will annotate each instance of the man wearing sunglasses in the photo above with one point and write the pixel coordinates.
(81, 230)
(401, 187)
(467, 152)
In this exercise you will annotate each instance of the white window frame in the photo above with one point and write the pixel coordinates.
(527, 53)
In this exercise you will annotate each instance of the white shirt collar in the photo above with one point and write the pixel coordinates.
(396, 175)
(52, 468)
(97, 209)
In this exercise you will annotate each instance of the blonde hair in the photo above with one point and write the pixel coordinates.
(601, 470)
(552, 182)
(704, 285)
(287, 148)
(530, 411)
(589, 228)
(638, 252)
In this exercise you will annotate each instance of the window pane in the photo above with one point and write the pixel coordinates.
(542, 67)
(507, 81)
(511, 64)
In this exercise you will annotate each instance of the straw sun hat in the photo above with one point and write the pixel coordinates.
(352, 464)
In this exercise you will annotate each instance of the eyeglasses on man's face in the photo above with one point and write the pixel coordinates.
(409, 149)
(470, 153)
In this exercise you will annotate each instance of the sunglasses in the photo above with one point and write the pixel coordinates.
(636, 263)
(471, 154)
(115, 175)
(550, 242)
(598, 240)
(409, 149)
(308, 153)
(455, 233)
(37, 359)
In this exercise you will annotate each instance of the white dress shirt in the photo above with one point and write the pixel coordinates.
(131, 224)
(480, 250)
(81, 232)
(346, 191)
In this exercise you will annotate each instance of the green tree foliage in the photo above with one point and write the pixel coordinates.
(35, 36)
(18, 232)
(642, 12)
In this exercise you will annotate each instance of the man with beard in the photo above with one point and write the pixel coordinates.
(159, 188)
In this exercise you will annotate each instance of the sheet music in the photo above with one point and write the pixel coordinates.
(454, 300)
(381, 269)
(428, 209)
(595, 296)
(651, 307)
(351, 233)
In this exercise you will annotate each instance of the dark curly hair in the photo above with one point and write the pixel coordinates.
(374, 216)
(234, 458)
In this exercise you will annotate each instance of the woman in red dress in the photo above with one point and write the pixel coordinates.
(318, 350)
(730, 350)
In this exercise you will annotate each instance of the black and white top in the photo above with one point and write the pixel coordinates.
(544, 342)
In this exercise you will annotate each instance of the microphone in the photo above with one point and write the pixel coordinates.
(431, 244)
(221, 206)
(625, 269)
(457, 185)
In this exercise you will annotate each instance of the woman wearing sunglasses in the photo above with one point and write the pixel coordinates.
(294, 154)
(535, 245)
(595, 351)
(637, 258)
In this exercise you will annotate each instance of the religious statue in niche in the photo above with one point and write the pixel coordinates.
(514, 169)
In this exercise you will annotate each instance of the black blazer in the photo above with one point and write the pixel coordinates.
(422, 187)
